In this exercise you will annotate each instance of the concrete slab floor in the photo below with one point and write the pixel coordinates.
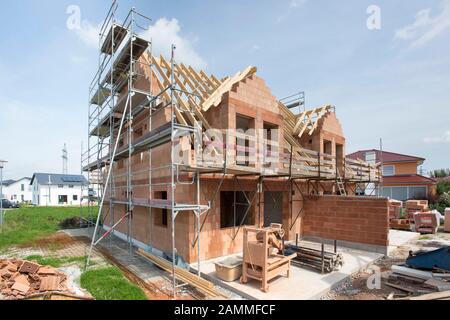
(398, 238)
(304, 284)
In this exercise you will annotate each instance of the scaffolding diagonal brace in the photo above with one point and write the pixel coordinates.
(107, 183)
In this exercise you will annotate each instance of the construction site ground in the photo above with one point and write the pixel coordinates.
(156, 282)
(304, 283)
(356, 288)
(349, 283)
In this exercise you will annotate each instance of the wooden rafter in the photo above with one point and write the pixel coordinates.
(215, 99)
(309, 120)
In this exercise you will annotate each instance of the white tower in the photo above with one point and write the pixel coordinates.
(65, 159)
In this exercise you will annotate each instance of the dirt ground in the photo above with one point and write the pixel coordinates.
(357, 288)
(63, 245)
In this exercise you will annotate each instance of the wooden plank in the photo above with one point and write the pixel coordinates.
(433, 296)
(200, 80)
(401, 288)
(201, 284)
(199, 86)
(191, 85)
(206, 79)
(190, 101)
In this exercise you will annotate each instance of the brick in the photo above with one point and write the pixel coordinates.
(46, 271)
(29, 267)
(22, 280)
(23, 288)
(50, 283)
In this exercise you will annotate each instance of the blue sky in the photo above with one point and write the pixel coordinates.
(392, 83)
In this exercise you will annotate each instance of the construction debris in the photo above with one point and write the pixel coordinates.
(438, 285)
(413, 273)
(430, 296)
(21, 279)
(417, 279)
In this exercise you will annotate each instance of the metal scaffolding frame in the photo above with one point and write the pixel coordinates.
(121, 49)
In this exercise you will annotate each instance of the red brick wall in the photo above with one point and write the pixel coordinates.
(359, 220)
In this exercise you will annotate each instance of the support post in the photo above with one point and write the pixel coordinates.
(198, 223)
(172, 169)
(323, 257)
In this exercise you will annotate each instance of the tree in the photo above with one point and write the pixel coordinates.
(441, 173)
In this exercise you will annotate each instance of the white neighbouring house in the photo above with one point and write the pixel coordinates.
(17, 191)
(58, 189)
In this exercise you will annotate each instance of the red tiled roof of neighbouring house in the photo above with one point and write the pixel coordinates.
(385, 156)
(408, 179)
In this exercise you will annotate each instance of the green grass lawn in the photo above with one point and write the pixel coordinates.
(25, 225)
(110, 284)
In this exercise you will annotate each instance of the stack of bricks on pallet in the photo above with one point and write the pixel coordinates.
(395, 209)
(447, 220)
(426, 222)
(414, 206)
(400, 224)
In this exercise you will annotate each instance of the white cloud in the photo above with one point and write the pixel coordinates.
(163, 34)
(297, 3)
(166, 32)
(294, 4)
(89, 34)
(443, 139)
(256, 47)
(425, 27)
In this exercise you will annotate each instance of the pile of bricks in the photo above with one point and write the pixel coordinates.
(395, 209)
(426, 222)
(414, 206)
(400, 224)
(21, 279)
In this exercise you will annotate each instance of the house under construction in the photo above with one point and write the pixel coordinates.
(187, 159)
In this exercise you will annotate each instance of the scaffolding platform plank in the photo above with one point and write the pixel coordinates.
(159, 204)
(133, 50)
(119, 35)
(100, 96)
(138, 102)
(152, 139)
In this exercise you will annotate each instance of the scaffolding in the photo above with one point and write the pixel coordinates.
(117, 97)
(111, 121)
